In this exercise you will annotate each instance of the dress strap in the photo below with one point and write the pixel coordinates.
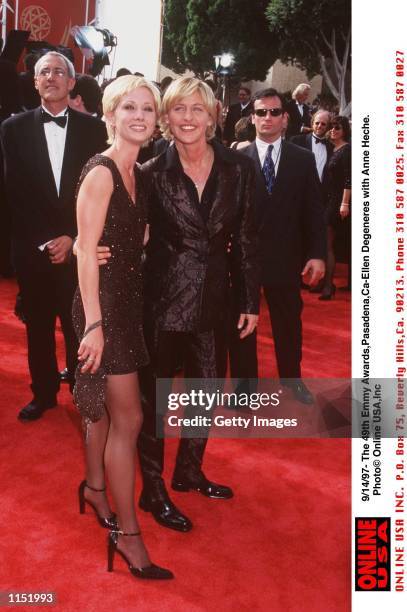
(103, 160)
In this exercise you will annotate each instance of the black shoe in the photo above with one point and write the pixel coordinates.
(108, 523)
(165, 512)
(317, 288)
(35, 409)
(300, 391)
(18, 309)
(204, 486)
(150, 572)
(64, 376)
(327, 294)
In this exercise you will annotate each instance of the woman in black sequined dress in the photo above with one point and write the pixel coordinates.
(107, 314)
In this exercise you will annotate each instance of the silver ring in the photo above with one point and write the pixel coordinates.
(90, 360)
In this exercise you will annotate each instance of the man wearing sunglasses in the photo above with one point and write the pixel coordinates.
(291, 231)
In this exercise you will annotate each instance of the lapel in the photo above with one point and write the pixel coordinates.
(308, 141)
(263, 200)
(42, 158)
(283, 173)
(72, 143)
(174, 185)
(224, 194)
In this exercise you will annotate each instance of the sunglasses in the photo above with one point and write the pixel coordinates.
(336, 127)
(274, 112)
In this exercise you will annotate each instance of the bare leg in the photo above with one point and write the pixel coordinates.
(124, 407)
(95, 472)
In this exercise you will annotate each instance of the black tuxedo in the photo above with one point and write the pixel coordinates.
(291, 231)
(39, 215)
(187, 283)
(296, 120)
(305, 141)
(235, 113)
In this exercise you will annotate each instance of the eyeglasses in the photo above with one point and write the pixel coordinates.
(58, 72)
(274, 112)
(336, 127)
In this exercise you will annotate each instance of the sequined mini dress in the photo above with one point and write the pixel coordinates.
(120, 294)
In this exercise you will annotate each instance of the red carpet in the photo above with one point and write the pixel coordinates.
(282, 544)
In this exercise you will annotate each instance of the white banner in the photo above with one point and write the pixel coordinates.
(379, 232)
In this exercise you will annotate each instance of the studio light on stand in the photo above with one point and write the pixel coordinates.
(95, 44)
(224, 68)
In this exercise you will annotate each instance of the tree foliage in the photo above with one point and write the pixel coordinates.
(315, 34)
(197, 30)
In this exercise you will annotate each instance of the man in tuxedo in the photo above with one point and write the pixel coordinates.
(236, 111)
(299, 114)
(290, 226)
(44, 151)
(317, 142)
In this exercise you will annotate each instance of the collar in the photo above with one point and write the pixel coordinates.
(262, 145)
(61, 114)
(243, 106)
(221, 154)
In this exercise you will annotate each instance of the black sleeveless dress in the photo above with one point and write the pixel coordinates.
(120, 294)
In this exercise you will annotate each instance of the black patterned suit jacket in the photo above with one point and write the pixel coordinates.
(187, 269)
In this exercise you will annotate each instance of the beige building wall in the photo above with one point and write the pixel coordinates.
(286, 78)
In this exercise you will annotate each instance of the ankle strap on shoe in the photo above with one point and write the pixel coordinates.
(120, 532)
(93, 489)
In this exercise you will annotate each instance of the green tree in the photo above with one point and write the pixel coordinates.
(196, 30)
(315, 35)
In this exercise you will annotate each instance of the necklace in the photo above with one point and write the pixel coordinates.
(200, 176)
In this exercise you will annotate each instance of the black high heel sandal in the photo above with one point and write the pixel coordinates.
(150, 572)
(108, 523)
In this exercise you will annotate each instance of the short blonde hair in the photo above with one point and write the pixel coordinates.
(300, 89)
(118, 88)
(181, 88)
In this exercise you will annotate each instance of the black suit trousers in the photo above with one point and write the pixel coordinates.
(285, 308)
(202, 356)
(47, 292)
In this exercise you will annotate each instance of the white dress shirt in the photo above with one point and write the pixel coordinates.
(275, 154)
(321, 155)
(55, 137)
(300, 108)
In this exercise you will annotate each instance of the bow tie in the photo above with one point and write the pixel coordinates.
(61, 120)
(319, 140)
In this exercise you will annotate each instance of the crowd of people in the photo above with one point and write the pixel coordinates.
(161, 264)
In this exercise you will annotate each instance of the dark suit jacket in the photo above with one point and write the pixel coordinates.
(290, 220)
(187, 265)
(305, 141)
(234, 113)
(296, 120)
(38, 213)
